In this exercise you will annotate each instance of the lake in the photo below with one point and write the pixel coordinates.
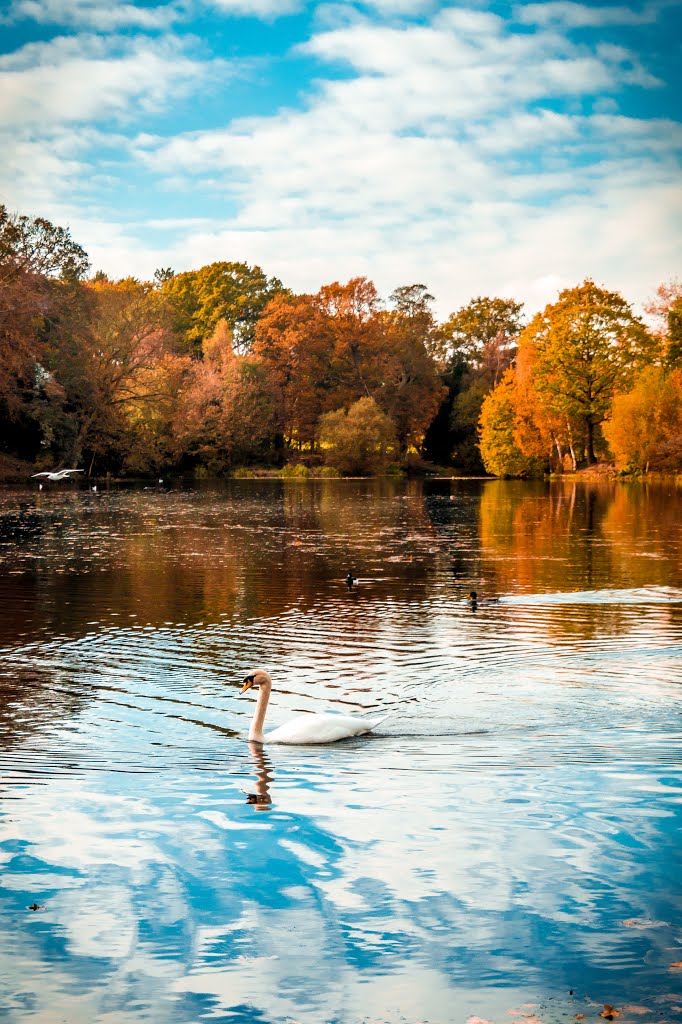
(504, 848)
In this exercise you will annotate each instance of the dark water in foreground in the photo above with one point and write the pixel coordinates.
(510, 835)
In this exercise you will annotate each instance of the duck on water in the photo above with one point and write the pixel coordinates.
(475, 600)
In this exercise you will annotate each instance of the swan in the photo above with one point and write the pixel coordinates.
(314, 728)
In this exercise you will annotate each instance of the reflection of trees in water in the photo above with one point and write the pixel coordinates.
(578, 535)
(30, 702)
(256, 549)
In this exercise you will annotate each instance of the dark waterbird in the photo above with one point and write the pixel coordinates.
(475, 601)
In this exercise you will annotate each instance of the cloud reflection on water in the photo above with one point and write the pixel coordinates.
(486, 848)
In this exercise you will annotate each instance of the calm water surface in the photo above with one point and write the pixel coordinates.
(505, 848)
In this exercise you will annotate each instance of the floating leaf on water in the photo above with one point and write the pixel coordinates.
(677, 966)
(609, 1012)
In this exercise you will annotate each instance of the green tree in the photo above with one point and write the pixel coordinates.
(233, 292)
(360, 441)
(474, 347)
(589, 345)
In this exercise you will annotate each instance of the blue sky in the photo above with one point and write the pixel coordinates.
(508, 149)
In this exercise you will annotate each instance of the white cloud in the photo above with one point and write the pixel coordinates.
(105, 16)
(575, 15)
(429, 156)
(458, 151)
(268, 10)
(101, 15)
(398, 7)
(87, 77)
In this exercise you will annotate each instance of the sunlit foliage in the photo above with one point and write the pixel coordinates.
(359, 441)
(645, 428)
(223, 366)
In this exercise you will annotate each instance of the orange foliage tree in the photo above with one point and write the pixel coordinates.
(645, 428)
(587, 348)
(293, 344)
(225, 412)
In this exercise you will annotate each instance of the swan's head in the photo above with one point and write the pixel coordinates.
(259, 677)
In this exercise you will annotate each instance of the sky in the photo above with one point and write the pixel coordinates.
(508, 149)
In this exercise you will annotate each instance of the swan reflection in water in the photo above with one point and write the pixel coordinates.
(261, 799)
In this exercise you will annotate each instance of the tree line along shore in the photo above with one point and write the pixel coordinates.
(211, 370)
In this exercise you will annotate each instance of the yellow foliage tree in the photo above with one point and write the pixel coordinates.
(500, 451)
(360, 441)
(645, 428)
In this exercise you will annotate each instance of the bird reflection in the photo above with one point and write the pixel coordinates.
(261, 799)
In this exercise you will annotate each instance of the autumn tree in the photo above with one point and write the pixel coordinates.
(473, 348)
(588, 346)
(233, 292)
(359, 441)
(225, 414)
(40, 266)
(645, 426)
(128, 335)
(294, 344)
(500, 451)
(351, 311)
(33, 245)
(666, 310)
(410, 391)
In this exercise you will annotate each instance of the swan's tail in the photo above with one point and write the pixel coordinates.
(379, 721)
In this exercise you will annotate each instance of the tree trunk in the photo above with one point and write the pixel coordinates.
(591, 459)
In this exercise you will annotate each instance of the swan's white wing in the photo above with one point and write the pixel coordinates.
(324, 728)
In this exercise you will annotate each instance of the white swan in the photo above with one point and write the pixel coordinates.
(315, 728)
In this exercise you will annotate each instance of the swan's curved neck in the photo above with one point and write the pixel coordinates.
(256, 730)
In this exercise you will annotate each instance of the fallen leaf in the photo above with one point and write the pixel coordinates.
(609, 1012)
(580, 1016)
(677, 966)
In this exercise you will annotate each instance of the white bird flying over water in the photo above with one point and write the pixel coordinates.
(60, 474)
(314, 728)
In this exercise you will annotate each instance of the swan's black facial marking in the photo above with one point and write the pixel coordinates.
(248, 682)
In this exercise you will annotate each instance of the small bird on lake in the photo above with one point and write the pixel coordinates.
(326, 727)
(351, 580)
(473, 598)
(60, 474)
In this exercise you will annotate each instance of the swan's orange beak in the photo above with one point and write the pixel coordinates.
(248, 683)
